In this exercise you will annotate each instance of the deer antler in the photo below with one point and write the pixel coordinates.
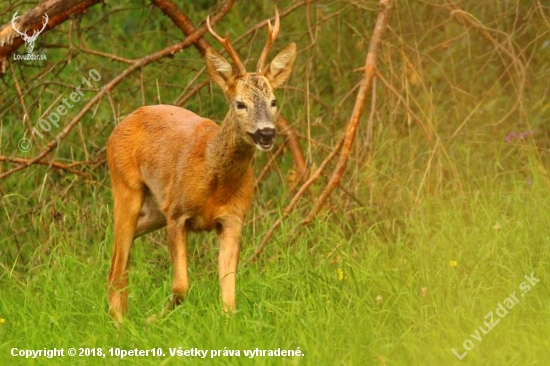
(226, 43)
(271, 35)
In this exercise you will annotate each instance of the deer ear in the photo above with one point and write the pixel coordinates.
(219, 69)
(281, 66)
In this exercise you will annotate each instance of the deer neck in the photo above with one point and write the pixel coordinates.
(229, 155)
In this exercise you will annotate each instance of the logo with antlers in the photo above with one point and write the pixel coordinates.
(29, 40)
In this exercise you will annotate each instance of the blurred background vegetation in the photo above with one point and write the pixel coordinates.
(460, 125)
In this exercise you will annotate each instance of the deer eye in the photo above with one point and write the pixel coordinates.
(273, 103)
(240, 105)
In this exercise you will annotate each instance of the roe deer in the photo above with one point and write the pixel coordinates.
(171, 167)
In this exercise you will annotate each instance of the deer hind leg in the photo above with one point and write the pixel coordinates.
(127, 201)
(228, 260)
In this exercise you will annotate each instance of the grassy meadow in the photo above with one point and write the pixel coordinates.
(420, 258)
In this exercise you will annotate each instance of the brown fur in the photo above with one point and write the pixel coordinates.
(171, 167)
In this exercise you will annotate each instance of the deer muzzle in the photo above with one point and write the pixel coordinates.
(263, 138)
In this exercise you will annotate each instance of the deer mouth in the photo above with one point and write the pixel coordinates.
(263, 138)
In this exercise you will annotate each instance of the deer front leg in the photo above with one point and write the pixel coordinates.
(177, 241)
(228, 260)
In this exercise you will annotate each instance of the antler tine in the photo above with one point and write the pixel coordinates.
(226, 43)
(272, 33)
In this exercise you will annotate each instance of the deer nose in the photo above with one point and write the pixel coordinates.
(267, 134)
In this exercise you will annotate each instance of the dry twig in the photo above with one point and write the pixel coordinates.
(288, 209)
(267, 166)
(26, 115)
(293, 143)
(53, 164)
(368, 75)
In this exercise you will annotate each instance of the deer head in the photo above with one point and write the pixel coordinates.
(252, 103)
(29, 39)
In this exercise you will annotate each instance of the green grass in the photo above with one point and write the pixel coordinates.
(442, 220)
(295, 296)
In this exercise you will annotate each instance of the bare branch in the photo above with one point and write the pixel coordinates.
(288, 209)
(182, 21)
(366, 83)
(53, 164)
(291, 138)
(26, 115)
(269, 163)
